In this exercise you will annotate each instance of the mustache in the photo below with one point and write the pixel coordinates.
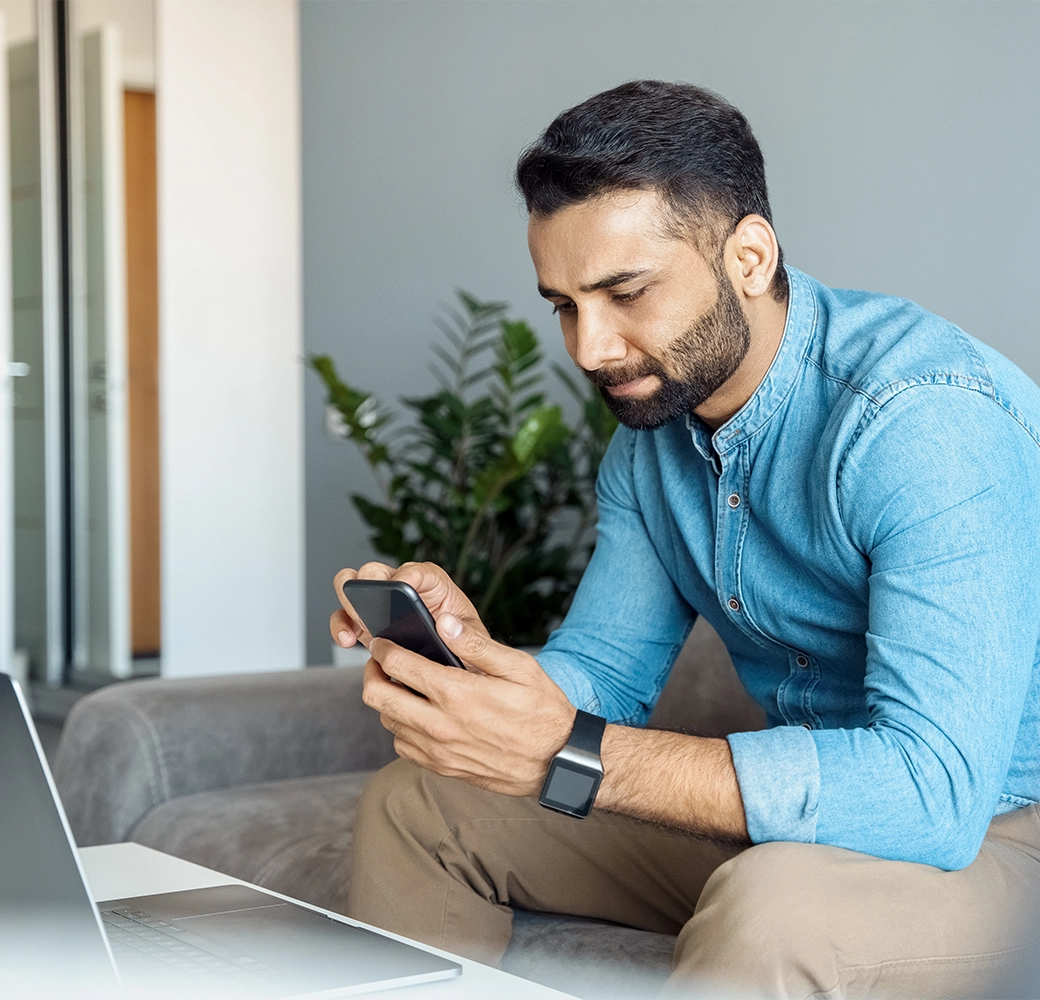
(606, 378)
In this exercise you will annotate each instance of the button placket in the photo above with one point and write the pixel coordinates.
(730, 524)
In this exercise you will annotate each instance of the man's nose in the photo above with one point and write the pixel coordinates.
(597, 342)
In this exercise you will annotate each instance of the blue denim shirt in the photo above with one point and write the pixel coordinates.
(864, 535)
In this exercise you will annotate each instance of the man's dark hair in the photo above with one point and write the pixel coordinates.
(685, 142)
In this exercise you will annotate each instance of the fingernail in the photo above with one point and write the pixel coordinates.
(344, 639)
(451, 626)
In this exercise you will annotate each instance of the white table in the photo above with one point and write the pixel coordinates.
(118, 870)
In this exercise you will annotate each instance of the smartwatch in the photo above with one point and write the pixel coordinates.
(576, 771)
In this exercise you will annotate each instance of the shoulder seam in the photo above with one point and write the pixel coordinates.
(840, 381)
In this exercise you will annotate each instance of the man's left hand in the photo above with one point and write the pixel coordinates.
(497, 728)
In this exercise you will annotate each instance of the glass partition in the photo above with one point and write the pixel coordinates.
(35, 369)
(79, 520)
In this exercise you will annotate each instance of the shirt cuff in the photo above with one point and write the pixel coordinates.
(779, 777)
(574, 683)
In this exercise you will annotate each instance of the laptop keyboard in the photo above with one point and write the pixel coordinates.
(146, 947)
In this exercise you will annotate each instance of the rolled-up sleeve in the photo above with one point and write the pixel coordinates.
(779, 777)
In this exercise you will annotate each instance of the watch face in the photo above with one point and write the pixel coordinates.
(570, 788)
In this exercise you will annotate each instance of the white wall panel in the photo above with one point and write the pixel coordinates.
(230, 334)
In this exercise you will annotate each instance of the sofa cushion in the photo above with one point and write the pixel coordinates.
(290, 836)
(588, 958)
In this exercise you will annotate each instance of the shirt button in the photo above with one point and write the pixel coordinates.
(733, 500)
(802, 661)
(734, 604)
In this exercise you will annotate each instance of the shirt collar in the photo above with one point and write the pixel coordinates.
(779, 380)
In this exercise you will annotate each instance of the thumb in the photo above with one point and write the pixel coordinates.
(477, 649)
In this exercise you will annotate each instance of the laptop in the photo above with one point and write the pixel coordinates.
(226, 941)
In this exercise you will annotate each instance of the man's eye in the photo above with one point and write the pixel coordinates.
(624, 297)
(563, 307)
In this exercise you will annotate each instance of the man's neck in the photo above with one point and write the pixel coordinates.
(766, 320)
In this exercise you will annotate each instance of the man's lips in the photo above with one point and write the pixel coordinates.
(637, 387)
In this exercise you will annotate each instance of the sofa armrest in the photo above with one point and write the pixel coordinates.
(130, 747)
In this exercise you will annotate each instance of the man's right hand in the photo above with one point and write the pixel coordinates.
(436, 589)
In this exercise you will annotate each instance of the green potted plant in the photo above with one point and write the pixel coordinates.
(488, 480)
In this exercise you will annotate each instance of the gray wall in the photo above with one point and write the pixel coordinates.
(901, 143)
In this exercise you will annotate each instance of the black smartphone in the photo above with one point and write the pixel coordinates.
(389, 609)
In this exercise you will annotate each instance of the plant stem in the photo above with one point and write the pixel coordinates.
(500, 570)
(467, 544)
(474, 527)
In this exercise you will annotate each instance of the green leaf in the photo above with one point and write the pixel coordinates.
(387, 538)
(519, 341)
(478, 308)
(542, 430)
(429, 472)
(535, 399)
(359, 410)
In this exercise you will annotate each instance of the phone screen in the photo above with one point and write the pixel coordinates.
(392, 610)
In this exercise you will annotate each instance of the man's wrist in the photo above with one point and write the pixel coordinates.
(576, 771)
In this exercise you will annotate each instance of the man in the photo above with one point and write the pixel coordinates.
(847, 488)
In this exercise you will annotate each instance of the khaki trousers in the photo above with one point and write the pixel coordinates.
(442, 862)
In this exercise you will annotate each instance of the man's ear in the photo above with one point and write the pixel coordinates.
(752, 253)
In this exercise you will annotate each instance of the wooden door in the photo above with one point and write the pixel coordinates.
(143, 370)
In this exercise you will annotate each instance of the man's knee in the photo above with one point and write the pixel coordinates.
(386, 790)
(763, 924)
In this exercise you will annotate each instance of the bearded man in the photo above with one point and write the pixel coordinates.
(846, 487)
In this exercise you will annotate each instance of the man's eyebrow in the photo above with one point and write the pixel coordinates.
(610, 281)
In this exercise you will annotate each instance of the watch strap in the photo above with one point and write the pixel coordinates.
(587, 733)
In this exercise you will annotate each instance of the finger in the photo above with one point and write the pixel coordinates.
(476, 648)
(437, 590)
(342, 576)
(419, 747)
(424, 739)
(341, 623)
(439, 683)
(349, 629)
(409, 751)
(375, 571)
(395, 701)
(420, 741)
(342, 629)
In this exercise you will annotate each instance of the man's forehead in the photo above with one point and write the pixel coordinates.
(611, 234)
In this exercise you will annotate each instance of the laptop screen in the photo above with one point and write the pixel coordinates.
(48, 926)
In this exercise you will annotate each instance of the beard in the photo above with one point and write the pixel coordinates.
(700, 360)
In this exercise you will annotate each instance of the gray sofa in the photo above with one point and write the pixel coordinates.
(258, 776)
